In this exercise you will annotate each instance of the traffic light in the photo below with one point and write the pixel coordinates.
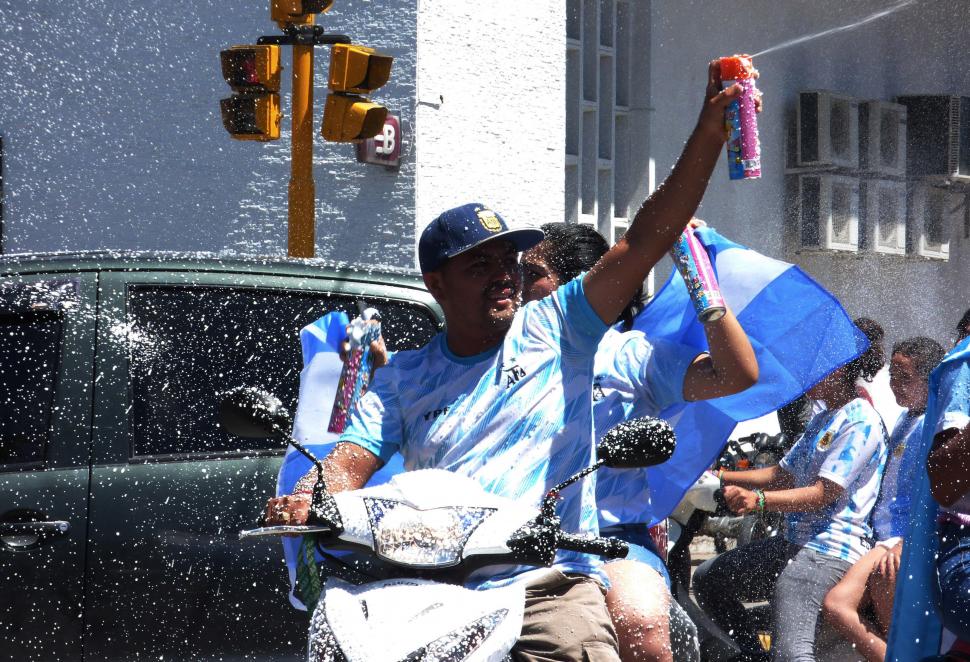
(253, 73)
(354, 70)
(291, 11)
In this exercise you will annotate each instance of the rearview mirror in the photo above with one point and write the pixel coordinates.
(249, 412)
(640, 442)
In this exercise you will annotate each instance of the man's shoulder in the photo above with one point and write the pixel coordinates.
(408, 359)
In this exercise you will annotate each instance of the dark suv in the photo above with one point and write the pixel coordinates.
(120, 496)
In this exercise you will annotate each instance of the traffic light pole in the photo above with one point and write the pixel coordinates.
(302, 191)
(301, 228)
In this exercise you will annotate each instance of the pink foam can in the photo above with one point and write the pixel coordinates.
(741, 119)
(695, 268)
(356, 373)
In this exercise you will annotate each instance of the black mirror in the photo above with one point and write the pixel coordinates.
(640, 442)
(248, 412)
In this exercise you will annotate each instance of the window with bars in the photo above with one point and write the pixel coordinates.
(607, 83)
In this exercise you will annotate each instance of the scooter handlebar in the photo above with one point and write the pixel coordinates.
(610, 548)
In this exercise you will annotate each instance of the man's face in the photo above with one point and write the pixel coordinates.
(479, 287)
(538, 278)
(909, 387)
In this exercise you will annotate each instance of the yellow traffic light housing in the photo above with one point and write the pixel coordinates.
(358, 69)
(349, 118)
(253, 73)
(251, 116)
(297, 11)
(354, 70)
(252, 68)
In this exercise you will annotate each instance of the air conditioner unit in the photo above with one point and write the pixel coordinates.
(882, 138)
(882, 215)
(932, 212)
(938, 136)
(827, 130)
(828, 212)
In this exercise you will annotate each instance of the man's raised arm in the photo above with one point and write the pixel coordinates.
(614, 280)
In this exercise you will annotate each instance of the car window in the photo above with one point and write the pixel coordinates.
(188, 344)
(30, 348)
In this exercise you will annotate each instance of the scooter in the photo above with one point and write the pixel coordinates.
(417, 539)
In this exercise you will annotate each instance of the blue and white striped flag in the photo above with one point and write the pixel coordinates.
(799, 332)
(318, 388)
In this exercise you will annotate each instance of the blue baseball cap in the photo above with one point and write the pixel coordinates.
(463, 228)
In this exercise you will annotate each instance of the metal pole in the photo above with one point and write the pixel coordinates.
(302, 192)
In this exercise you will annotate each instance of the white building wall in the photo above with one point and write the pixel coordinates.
(491, 108)
(109, 115)
(920, 49)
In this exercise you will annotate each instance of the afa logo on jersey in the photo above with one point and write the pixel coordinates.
(825, 441)
(513, 374)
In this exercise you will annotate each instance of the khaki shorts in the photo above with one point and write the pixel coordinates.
(566, 620)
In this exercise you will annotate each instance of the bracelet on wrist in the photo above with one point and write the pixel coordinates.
(761, 500)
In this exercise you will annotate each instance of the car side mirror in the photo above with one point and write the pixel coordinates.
(249, 412)
(640, 442)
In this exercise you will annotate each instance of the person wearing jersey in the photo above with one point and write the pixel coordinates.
(872, 580)
(635, 377)
(504, 394)
(827, 484)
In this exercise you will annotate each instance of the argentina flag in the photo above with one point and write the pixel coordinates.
(318, 389)
(799, 333)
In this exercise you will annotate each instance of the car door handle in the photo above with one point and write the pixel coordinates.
(27, 535)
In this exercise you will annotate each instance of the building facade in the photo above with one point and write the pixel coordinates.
(568, 110)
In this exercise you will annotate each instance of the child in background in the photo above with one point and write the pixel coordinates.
(827, 484)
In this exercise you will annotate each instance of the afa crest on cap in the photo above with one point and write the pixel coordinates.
(489, 220)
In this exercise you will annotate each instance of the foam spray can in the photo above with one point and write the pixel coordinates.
(695, 267)
(356, 372)
(743, 146)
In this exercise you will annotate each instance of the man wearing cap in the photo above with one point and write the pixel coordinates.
(504, 394)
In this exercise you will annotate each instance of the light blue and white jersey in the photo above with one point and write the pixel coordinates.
(848, 447)
(890, 516)
(953, 405)
(517, 418)
(633, 377)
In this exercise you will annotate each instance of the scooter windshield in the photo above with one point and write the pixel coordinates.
(417, 538)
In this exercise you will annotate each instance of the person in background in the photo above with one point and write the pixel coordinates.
(634, 377)
(827, 484)
(871, 582)
(948, 467)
